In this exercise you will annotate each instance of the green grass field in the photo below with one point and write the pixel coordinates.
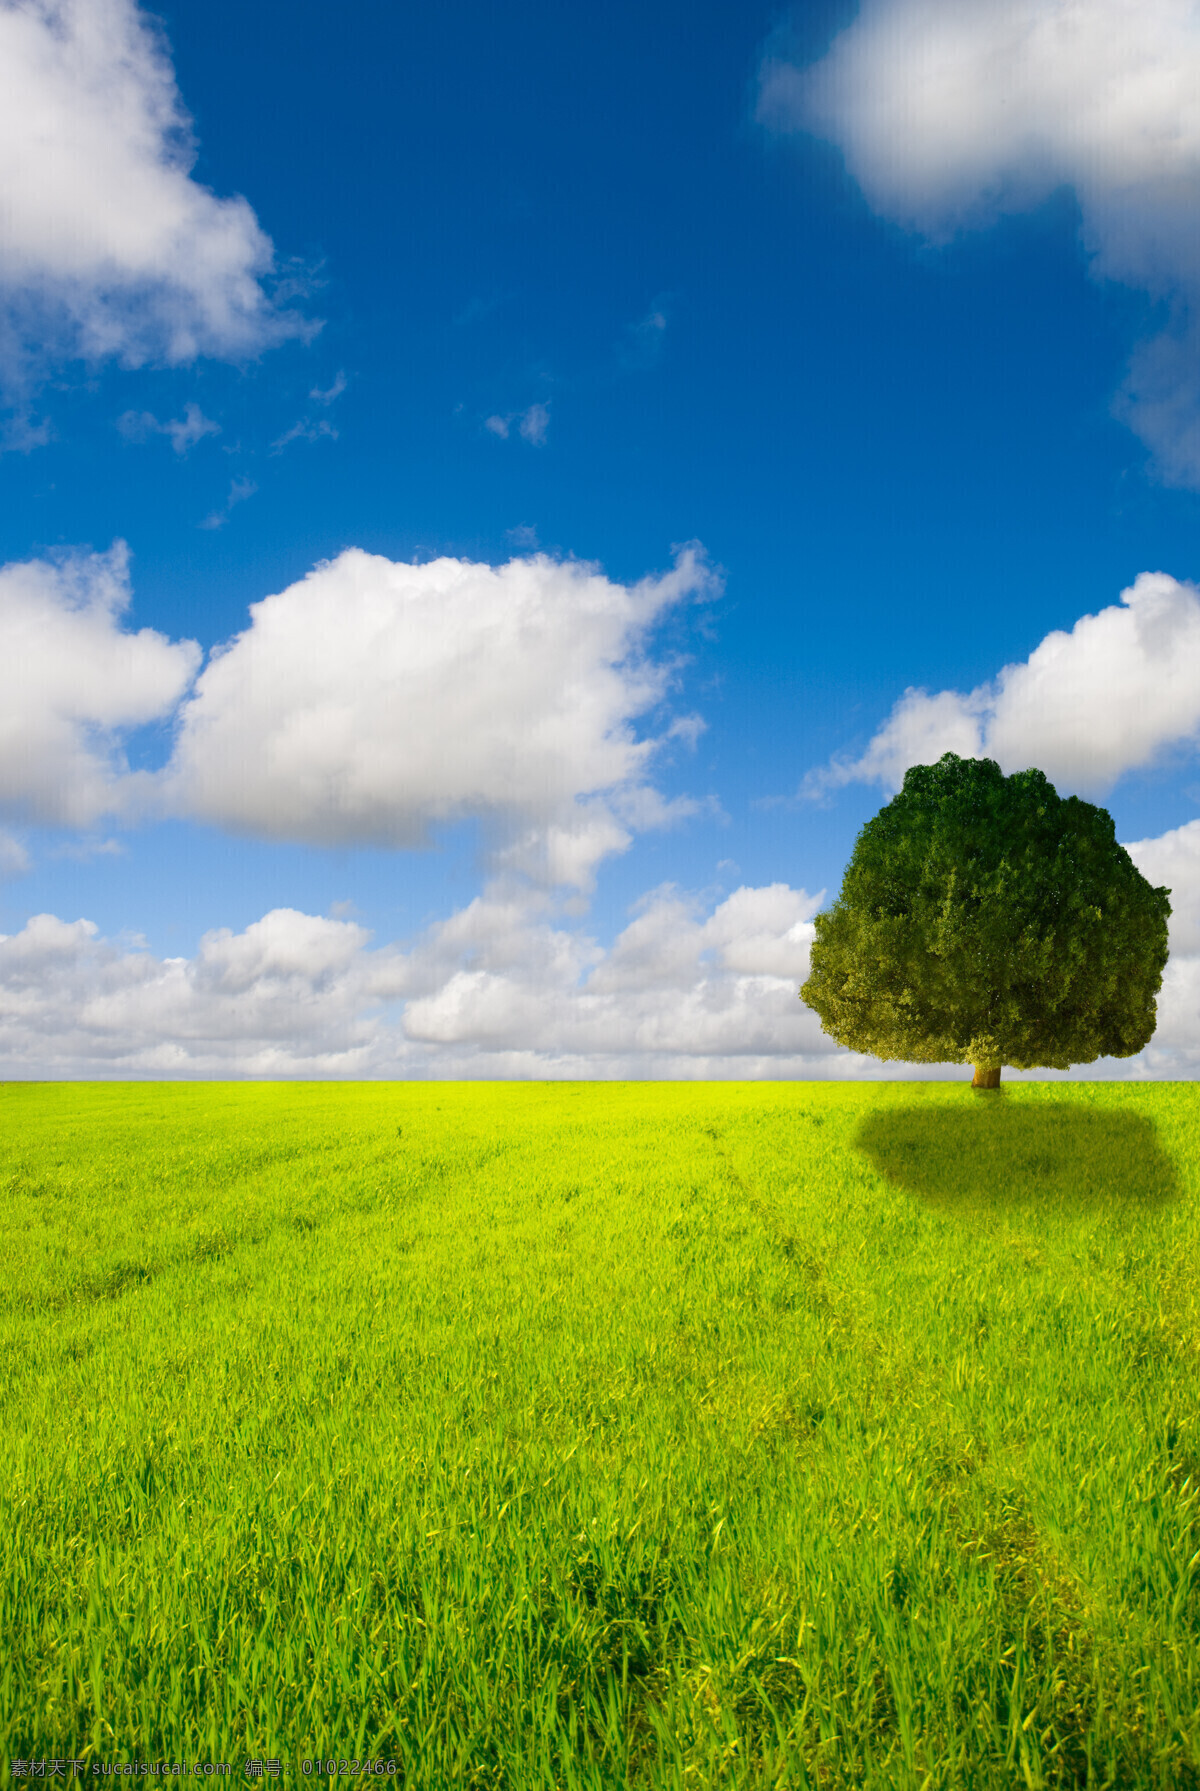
(598, 1435)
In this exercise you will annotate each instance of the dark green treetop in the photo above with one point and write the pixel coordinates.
(984, 919)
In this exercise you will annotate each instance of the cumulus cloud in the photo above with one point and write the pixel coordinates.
(73, 680)
(292, 995)
(375, 699)
(1173, 1054)
(676, 985)
(500, 989)
(366, 704)
(949, 115)
(108, 247)
(1172, 861)
(497, 989)
(1112, 695)
(193, 426)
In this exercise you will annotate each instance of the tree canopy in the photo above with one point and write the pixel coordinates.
(984, 919)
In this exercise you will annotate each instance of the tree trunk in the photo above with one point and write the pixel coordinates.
(986, 1078)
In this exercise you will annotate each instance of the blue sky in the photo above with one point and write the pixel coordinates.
(560, 292)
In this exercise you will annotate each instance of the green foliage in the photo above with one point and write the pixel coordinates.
(984, 919)
(604, 1437)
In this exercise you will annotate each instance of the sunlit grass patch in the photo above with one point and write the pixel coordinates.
(600, 1435)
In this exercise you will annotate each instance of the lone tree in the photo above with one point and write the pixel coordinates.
(985, 920)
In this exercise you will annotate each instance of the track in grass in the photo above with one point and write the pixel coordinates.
(599, 1435)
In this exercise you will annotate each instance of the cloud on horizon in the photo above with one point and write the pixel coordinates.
(1172, 861)
(498, 990)
(950, 116)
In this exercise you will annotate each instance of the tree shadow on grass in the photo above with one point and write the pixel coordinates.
(992, 1154)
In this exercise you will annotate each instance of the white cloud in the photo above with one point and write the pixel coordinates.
(72, 681)
(919, 730)
(532, 424)
(497, 990)
(14, 859)
(331, 392)
(678, 987)
(108, 247)
(1113, 695)
(289, 996)
(364, 705)
(21, 435)
(373, 700)
(949, 115)
(239, 491)
(311, 429)
(307, 429)
(1173, 1054)
(192, 427)
(1172, 861)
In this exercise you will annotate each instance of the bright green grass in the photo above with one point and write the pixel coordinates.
(605, 1435)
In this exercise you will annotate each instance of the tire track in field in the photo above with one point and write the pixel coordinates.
(789, 1243)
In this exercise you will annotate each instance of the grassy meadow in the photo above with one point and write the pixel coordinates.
(604, 1435)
